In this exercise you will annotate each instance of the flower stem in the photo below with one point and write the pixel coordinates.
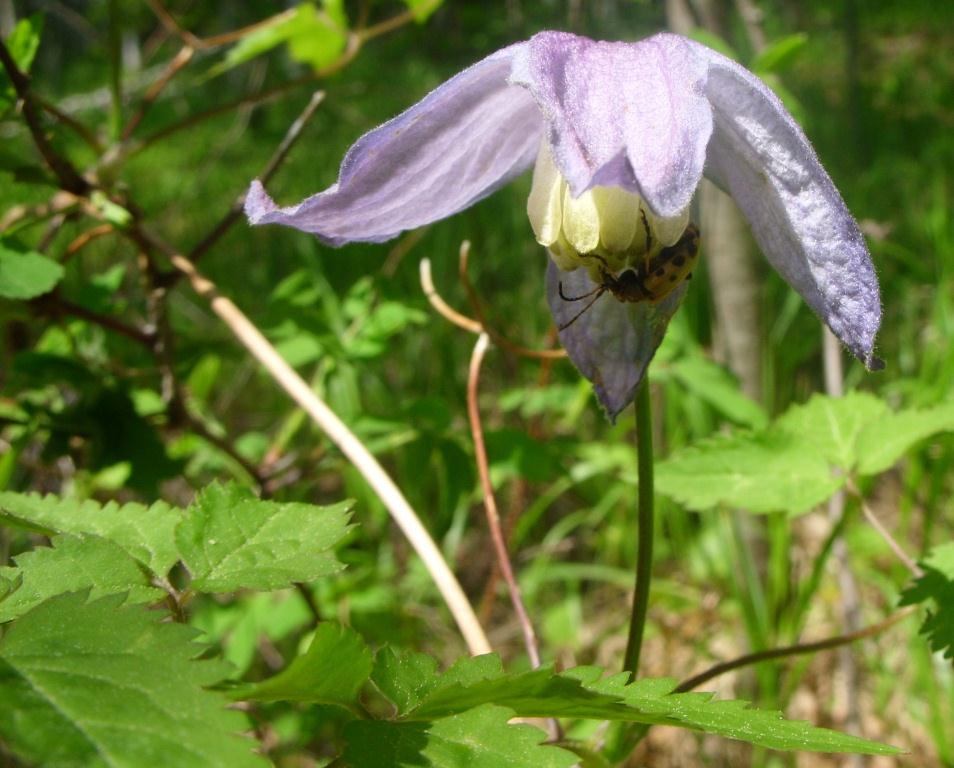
(645, 520)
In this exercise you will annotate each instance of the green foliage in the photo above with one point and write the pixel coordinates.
(74, 564)
(936, 584)
(22, 44)
(332, 671)
(422, 9)
(99, 683)
(802, 458)
(314, 37)
(230, 540)
(25, 274)
(478, 738)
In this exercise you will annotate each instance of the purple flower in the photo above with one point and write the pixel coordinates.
(621, 134)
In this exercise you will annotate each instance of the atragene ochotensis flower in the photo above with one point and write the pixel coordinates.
(620, 135)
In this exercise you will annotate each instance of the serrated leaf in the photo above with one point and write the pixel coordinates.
(422, 9)
(73, 564)
(231, 540)
(405, 678)
(144, 533)
(760, 473)
(831, 425)
(26, 274)
(478, 738)
(886, 440)
(331, 671)
(100, 683)
(582, 693)
(936, 584)
(779, 54)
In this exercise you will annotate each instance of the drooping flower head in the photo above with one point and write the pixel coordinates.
(621, 134)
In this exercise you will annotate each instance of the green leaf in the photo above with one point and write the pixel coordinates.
(146, 534)
(231, 540)
(886, 440)
(582, 693)
(313, 37)
(100, 683)
(715, 385)
(26, 274)
(72, 564)
(479, 738)
(779, 54)
(831, 425)
(760, 473)
(404, 678)
(936, 584)
(6, 587)
(422, 9)
(332, 671)
(22, 45)
(112, 212)
(801, 459)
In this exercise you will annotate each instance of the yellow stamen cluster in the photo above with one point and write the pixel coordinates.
(608, 222)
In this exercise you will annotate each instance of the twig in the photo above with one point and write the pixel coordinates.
(885, 534)
(84, 239)
(540, 354)
(235, 212)
(490, 503)
(792, 650)
(215, 41)
(55, 304)
(442, 307)
(69, 177)
(175, 64)
(340, 435)
(70, 122)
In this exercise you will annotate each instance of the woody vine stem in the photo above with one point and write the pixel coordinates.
(645, 518)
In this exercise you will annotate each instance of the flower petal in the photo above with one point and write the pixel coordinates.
(612, 342)
(461, 142)
(760, 156)
(630, 115)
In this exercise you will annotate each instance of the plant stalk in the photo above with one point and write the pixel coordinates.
(645, 522)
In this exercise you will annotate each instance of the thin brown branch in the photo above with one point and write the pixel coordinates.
(55, 304)
(792, 650)
(885, 534)
(500, 340)
(383, 27)
(149, 98)
(490, 503)
(442, 307)
(70, 122)
(235, 212)
(69, 178)
(202, 43)
(79, 242)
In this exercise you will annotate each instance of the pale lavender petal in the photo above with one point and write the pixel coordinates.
(761, 157)
(461, 142)
(612, 342)
(632, 115)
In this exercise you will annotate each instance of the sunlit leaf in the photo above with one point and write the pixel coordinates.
(424, 695)
(22, 45)
(422, 9)
(231, 540)
(72, 564)
(26, 274)
(144, 533)
(331, 671)
(100, 683)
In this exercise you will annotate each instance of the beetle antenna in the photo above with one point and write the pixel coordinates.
(577, 298)
(599, 292)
